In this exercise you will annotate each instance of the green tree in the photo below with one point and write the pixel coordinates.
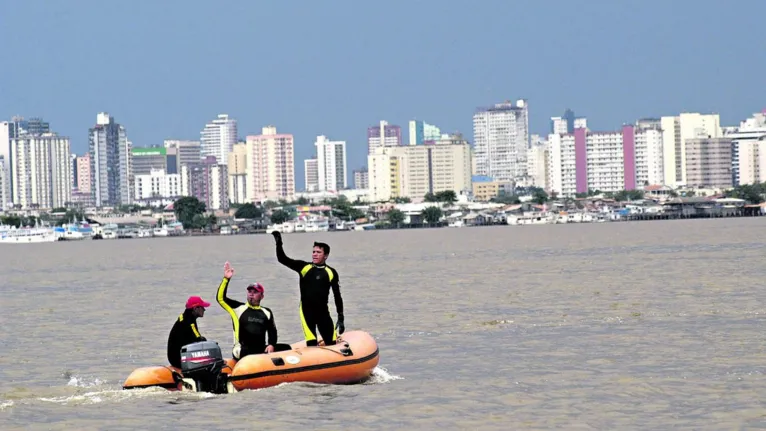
(343, 209)
(402, 200)
(248, 211)
(539, 196)
(432, 214)
(279, 216)
(430, 197)
(506, 199)
(11, 221)
(186, 208)
(750, 192)
(446, 196)
(395, 217)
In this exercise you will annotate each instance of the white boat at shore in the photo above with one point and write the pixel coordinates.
(26, 235)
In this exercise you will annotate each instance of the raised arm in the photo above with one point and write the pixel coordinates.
(227, 303)
(295, 265)
(335, 284)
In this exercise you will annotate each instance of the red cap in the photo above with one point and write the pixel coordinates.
(196, 301)
(258, 287)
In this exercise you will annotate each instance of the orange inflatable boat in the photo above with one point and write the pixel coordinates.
(350, 361)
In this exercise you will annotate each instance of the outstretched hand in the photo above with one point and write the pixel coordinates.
(228, 271)
(277, 237)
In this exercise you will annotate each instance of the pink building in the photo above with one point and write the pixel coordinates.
(82, 166)
(586, 161)
(271, 166)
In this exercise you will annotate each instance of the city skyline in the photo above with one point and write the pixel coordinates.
(648, 65)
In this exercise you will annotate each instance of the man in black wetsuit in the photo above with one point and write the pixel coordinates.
(316, 280)
(185, 329)
(251, 321)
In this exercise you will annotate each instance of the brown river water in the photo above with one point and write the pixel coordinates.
(641, 325)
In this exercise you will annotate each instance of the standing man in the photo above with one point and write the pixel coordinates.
(185, 329)
(251, 321)
(316, 280)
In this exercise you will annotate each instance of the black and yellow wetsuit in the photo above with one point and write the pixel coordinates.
(315, 284)
(251, 324)
(184, 332)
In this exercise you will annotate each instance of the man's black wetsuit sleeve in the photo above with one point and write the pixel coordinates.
(272, 330)
(295, 265)
(335, 284)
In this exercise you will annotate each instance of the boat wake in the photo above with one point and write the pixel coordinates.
(92, 390)
(381, 376)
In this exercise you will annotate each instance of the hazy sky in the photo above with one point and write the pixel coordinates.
(165, 68)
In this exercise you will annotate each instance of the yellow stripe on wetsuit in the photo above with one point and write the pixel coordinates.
(234, 318)
(307, 333)
(311, 265)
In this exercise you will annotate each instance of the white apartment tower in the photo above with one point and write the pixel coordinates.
(271, 166)
(331, 164)
(537, 163)
(675, 132)
(157, 184)
(501, 139)
(42, 171)
(218, 138)
(749, 150)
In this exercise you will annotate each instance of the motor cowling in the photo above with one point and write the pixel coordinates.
(201, 365)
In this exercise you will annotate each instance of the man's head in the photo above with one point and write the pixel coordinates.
(197, 305)
(255, 294)
(320, 253)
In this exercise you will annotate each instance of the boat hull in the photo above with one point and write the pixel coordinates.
(321, 364)
(348, 362)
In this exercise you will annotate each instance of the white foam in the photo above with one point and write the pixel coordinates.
(5, 404)
(82, 382)
(380, 375)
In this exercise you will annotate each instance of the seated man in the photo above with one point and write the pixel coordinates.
(185, 329)
(251, 321)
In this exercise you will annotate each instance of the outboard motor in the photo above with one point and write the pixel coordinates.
(202, 364)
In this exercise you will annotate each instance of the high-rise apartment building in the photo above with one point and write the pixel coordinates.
(422, 132)
(361, 179)
(42, 171)
(675, 132)
(708, 163)
(182, 153)
(271, 166)
(157, 184)
(16, 127)
(501, 139)
(311, 175)
(331, 164)
(5, 194)
(604, 161)
(538, 163)
(748, 150)
(207, 181)
(218, 137)
(146, 159)
(109, 152)
(414, 171)
(383, 135)
(237, 167)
